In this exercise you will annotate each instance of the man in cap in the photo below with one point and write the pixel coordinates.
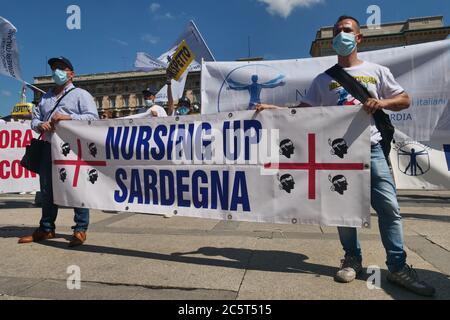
(153, 110)
(74, 104)
(184, 105)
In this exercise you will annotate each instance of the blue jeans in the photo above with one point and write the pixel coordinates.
(384, 201)
(49, 209)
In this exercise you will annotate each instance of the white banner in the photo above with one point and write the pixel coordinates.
(9, 53)
(14, 137)
(278, 166)
(423, 70)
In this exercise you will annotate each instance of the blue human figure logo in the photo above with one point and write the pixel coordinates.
(255, 88)
(413, 164)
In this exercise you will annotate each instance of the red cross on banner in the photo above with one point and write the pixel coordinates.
(79, 163)
(312, 166)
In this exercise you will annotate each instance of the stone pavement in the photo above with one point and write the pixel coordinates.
(136, 256)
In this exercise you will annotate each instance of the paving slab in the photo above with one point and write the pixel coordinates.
(297, 270)
(31, 217)
(152, 221)
(163, 261)
(145, 257)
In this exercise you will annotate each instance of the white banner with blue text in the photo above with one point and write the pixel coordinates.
(300, 166)
(421, 155)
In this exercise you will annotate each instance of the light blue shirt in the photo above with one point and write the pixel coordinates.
(78, 104)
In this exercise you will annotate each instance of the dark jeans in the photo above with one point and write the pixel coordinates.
(49, 209)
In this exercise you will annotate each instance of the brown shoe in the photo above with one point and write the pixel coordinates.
(78, 239)
(37, 236)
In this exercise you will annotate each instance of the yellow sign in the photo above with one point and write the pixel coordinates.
(181, 60)
(22, 109)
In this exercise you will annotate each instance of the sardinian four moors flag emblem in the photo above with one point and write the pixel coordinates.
(292, 166)
(339, 182)
(90, 165)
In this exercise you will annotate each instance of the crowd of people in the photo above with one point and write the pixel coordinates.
(77, 104)
(183, 107)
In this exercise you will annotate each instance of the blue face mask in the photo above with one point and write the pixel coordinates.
(183, 110)
(149, 103)
(60, 77)
(344, 44)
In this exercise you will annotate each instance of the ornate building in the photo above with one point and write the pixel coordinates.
(389, 35)
(120, 93)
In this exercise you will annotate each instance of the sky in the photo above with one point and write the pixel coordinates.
(113, 31)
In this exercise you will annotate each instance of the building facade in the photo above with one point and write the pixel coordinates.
(389, 35)
(119, 94)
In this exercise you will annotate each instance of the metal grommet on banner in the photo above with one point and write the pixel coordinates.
(131, 121)
(293, 112)
(175, 212)
(230, 115)
(127, 208)
(367, 166)
(230, 217)
(82, 205)
(177, 118)
(366, 225)
(294, 221)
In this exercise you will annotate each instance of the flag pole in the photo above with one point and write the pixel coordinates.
(9, 30)
(34, 88)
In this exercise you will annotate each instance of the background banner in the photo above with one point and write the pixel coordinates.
(423, 70)
(9, 52)
(288, 166)
(14, 137)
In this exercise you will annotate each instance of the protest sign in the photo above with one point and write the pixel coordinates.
(276, 166)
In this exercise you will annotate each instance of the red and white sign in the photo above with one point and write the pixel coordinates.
(14, 137)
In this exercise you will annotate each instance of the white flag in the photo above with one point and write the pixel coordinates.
(194, 40)
(145, 62)
(196, 43)
(9, 53)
